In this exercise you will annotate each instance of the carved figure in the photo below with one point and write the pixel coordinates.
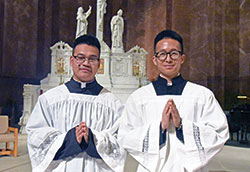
(117, 27)
(82, 22)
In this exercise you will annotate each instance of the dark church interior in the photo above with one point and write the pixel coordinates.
(216, 35)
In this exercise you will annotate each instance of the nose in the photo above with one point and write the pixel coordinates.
(168, 58)
(86, 61)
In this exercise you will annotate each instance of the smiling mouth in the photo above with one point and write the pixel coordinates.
(169, 66)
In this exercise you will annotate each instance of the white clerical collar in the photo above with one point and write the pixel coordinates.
(83, 84)
(169, 83)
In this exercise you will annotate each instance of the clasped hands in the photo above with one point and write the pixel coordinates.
(82, 131)
(170, 113)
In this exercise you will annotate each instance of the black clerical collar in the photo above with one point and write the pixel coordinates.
(91, 88)
(162, 87)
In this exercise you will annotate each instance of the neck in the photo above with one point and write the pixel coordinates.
(169, 79)
(82, 81)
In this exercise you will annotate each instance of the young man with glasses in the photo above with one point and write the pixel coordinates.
(72, 126)
(172, 124)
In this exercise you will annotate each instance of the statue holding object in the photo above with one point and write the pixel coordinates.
(82, 22)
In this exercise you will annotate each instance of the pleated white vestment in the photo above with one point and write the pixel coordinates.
(204, 126)
(56, 112)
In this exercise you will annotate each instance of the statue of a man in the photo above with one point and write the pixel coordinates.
(102, 7)
(117, 27)
(82, 22)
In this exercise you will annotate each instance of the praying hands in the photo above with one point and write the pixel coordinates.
(82, 131)
(169, 113)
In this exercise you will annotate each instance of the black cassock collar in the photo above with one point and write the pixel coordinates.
(91, 88)
(162, 87)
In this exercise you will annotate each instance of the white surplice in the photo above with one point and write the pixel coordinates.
(56, 112)
(204, 126)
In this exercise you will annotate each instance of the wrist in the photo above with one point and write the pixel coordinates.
(163, 127)
(180, 126)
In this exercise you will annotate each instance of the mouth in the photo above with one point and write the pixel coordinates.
(85, 70)
(168, 66)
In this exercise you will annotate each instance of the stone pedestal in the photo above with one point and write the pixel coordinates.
(30, 95)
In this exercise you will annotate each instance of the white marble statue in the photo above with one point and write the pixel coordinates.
(117, 27)
(82, 22)
(101, 10)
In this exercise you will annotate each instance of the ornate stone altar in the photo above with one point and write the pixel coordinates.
(60, 73)
(60, 66)
(120, 72)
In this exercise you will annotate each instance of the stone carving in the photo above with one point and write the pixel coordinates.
(30, 96)
(117, 27)
(139, 63)
(60, 63)
(101, 10)
(82, 22)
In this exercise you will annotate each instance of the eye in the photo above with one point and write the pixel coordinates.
(174, 53)
(81, 57)
(162, 54)
(91, 59)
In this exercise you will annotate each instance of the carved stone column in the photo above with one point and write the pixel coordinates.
(101, 10)
(30, 95)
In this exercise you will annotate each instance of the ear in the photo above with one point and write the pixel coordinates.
(71, 60)
(154, 60)
(183, 58)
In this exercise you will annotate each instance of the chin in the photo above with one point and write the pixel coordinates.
(84, 78)
(170, 75)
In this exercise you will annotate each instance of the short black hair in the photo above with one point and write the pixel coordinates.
(89, 40)
(168, 34)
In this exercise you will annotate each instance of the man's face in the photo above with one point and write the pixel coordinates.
(169, 68)
(85, 71)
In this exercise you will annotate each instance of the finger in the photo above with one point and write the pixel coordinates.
(85, 138)
(175, 111)
(85, 129)
(166, 108)
(79, 137)
(170, 101)
(82, 124)
(170, 112)
(166, 120)
(176, 117)
(79, 130)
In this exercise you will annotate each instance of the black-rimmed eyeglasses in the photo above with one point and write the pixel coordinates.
(162, 55)
(81, 59)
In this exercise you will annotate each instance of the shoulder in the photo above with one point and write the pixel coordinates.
(55, 93)
(106, 94)
(143, 92)
(108, 97)
(56, 90)
(197, 90)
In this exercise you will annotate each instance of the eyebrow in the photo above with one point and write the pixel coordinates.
(92, 55)
(167, 51)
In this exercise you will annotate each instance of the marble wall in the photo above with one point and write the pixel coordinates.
(244, 48)
(216, 37)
